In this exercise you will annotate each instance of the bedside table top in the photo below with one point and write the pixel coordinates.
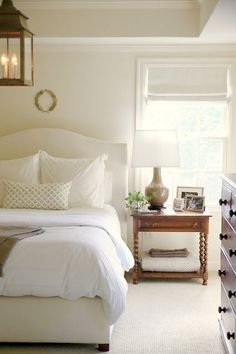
(170, 213)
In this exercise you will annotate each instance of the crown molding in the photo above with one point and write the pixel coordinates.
(107, 4)
(136, 45)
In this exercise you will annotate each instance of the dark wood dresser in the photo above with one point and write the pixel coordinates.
(227, 271)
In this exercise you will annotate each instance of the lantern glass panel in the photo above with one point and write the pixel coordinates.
(28, 57)
(10, 56)
(14, 58)
(3, 58)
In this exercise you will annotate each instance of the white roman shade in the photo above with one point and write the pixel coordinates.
(201, 83)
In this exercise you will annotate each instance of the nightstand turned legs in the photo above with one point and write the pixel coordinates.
(203, 256)
(136, 258)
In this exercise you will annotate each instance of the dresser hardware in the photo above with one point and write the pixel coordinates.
(232, 253)
(231, 293)
(230, 335)
(222, 309)
(232, 213)
(223, 236)
(221, 272)
(221, 201)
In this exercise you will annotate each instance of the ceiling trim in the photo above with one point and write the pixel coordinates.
(130, 45)
(107, 4)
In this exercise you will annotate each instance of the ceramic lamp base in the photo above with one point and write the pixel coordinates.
(157, 191)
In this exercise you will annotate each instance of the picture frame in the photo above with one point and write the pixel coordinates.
(178, 204)
(182, 191)
(194, 203)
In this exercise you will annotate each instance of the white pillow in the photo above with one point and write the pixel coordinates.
(87, 177)
(36, 196)
(108, 179)
(25, 169)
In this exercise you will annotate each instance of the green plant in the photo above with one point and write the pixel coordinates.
(136, 200)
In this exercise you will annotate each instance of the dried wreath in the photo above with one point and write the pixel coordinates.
(51, 106)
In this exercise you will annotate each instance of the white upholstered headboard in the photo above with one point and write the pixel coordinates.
(64, 143)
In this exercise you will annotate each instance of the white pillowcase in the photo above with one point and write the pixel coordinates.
(53, 196)
(87, 176)
(108, 182)
(25, 170)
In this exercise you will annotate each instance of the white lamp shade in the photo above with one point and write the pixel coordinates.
(155, 148)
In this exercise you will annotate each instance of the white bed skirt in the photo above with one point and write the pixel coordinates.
(53, 320)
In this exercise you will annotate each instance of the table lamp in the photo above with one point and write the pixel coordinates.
(156, 148)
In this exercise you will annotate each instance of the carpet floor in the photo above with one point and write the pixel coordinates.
(162, 317)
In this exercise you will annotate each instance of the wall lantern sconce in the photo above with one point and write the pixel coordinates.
(16, 47)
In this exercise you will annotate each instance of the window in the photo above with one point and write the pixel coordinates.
(201, 123)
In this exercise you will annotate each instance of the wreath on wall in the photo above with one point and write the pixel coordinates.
(53, 101)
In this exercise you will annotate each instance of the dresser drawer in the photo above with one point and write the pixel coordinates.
(228, 242)
(232, 211)
(227, 322)
(228, 279)
(226, 196)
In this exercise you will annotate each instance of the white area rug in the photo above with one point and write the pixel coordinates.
(162, 317)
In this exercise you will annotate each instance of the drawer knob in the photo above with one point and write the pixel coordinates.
(223, 236)
(232, 213)
(232, 253)
(231, 293)
(221, 272)
(222, 309)
(230, 335)
(221, 201)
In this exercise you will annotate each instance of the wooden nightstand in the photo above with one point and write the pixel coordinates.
(170, 221)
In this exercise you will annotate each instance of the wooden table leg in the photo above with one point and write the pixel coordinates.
(136, 258)
(203, 256)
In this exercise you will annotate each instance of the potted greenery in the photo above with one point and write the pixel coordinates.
(136, 200)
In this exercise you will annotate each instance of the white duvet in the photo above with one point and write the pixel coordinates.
(80, 254)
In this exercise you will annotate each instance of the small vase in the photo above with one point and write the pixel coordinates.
(136, 206)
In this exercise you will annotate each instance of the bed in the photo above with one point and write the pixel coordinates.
(79, 296)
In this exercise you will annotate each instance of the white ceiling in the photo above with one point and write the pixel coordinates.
(221, 26)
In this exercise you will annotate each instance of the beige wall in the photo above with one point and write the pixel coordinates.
(95, 92)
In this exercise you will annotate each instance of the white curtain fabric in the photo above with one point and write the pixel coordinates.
(206, 83)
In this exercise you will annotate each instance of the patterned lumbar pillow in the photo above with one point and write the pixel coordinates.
(36, 196)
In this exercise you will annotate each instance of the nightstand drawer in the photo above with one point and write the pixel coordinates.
(169, 224)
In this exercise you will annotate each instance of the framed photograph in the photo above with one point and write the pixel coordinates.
(178, 204)
(194, 203)
(183, 191)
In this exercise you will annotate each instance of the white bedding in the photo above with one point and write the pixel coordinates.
(80, 254)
